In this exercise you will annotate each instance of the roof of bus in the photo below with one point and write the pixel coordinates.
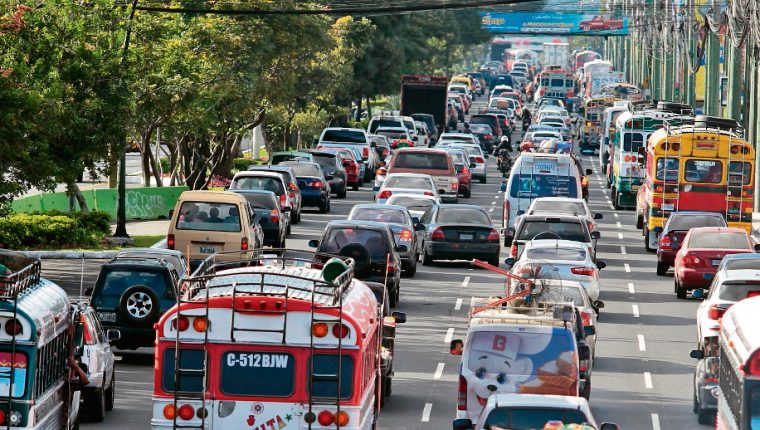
(739, 332)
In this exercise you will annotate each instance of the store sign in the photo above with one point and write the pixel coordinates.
(554, 23)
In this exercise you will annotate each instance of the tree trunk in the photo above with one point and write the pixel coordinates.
(73, 189)
(369, 107)
(358, 115)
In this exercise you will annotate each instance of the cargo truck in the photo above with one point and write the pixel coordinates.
(556, 54)
(426, 95)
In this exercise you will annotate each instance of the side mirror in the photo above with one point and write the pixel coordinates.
(416, 138)
(487, 156)
(520, 212)
(595, 235)
(757, 247)
(600, 264)
(375, 189)
(589, 330)
(599, 304)
(473, 165)
(314, 243)
(698, 293)
(456, 347)
(113, 335)
(88, 291)
(584, 352)
(419, 227)
(329, 177)
(401, 248)
(286, 209)
(463, 424)
(598, 215)
(589, 172)
(400, 317)
(658, 230)
(509, 261)
(415, 220)
(609, 426)
(697, 354)
(503, 186)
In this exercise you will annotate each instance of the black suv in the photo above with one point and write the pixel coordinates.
(131, 294)
(369, 244)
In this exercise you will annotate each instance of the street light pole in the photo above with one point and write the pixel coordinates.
(121, 210)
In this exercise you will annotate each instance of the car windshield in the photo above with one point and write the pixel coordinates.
(395, 216)
(530, 418)
(280, 158)
(117, 281)
(337, 238)
(261, 201)
(556, 294)
(266, 183)
(411, 182)
(327, 162)
(743, 264)
(208, 217)
(303, 169)
(565, 230)
(419, 160)
(383, 122)
(557, 253)
(347, 136)
(687, 222)
(553, 206)
(533, 186)
(411, 203)
(469, 149)
(469, 216)
(733, 291)
(718, 240)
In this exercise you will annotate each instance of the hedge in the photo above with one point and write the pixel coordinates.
(53, 230)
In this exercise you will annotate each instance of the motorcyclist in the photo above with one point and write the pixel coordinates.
(526, 118)
(505, 143)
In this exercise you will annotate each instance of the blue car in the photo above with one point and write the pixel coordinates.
(270, 216)
(314, 185)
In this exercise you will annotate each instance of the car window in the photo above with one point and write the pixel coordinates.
(557, 253)
(204, 216)
(373, 240)
(411, 203)
(394, 216)
(303, 169)
(565, 230)
(733, 291)
(533, 186)
(743, 264)
(261, 201)
(561, 294)
(453, 215)
(687, 222)
(386, 122)
(718, 240)
(408, 182)
(575, 208)
(418, 160)
(117, 281)
(266, 183)
(347, 136)
(530, 418)
(280, 158)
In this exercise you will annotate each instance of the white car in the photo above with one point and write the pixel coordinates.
(500, 88)
(565, 206)
(461, 89)
(422, 134)
(458, 137)
(561, 259)
(537, 410)
(415, 183)
(728, 287)
(97, 358)
(416, 204)
(476, 156)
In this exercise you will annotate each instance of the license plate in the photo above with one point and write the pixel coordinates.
(707, 276)
(715, 262)
(668, 206)
(206, 249)
(107, 316)
(466, 236)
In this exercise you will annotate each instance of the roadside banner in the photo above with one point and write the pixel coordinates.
(554, 23)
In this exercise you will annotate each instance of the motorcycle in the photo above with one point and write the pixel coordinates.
(504, 162)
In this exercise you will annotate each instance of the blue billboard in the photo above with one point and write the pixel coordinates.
(554, 23)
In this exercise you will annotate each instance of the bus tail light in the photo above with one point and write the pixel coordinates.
(319, 330)
(13, 327)
(170, 412)
(340, 331)
(341, 418)
(462, 402)
(181, 324)
(2, 418)
(753, 365)
(186, 412)
(325, 418)
(200, 324)
(170, 241)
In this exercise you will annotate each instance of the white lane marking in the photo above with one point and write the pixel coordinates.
(490, 210)
(622, 250)
(620, 236)
(655, 422)
(466, 281)
(634, 308)
(615, 215)
(449, 335)
(426, 412)
(648, 380)
(619, 225)
(642, 344)
(493, 202)
(627, 268)
(631, 289)
(438, 371)
(612, 207)
(458, 306)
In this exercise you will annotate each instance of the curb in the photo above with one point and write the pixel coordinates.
(72, 255)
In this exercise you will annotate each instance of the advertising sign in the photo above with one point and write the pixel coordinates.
(554, 23)
(598, 80)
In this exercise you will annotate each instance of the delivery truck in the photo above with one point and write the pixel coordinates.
(426, 95)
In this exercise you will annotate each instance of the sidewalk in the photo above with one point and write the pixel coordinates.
(146, 228)
(756, 226)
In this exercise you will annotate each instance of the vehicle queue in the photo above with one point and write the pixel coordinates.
(251, 334)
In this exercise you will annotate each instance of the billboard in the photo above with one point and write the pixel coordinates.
(554, 23)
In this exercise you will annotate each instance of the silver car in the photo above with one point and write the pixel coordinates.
(98, 362)
(565, 206)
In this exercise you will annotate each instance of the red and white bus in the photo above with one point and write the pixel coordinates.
(238, 349)
(555, 83)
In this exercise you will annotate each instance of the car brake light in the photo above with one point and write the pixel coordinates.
(711, 380)
(479, 160)
(586, 317)
(244, 244)
(384, 194)
(390, 268)
(666, 243)
(170, 241)
(438, 234)
(487, 137)
(455, 185)
(493, 235)
(428, 193)
(689, 259)
(405, 235)
(365, 152)
(715, 312)
(283, 200)
(317, 184)
(274, 215)
(382, 171)
(753, 365)
(513, 250)
(462, 403)
(584, 270)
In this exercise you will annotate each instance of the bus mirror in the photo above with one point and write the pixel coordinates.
(79, 335)
(113, 335)
(757, 247)
(598, 215)
(609, 426)
(595, 235)
(697, 354)
(400, 317)
(589, 172)
(456, 347)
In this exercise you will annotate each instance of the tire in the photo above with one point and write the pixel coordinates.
(662, 269)
(323, 208)
(355, 187)
(413, 269)
(646, 241)
(95, 402)
(639, 221)
(387, 387)
(139, 305)
(282, 243)
(483, 180)
(393, 298)
(298, 217)
(694, 401)
(494, 261)
(342, 193)
(467, 193)
(586, 392)
(288, 232)
(111, 393)
(705, 417)
(680, 291)
(615, 198)
(427, 260)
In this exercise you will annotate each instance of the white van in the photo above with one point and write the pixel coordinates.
(610, 115)
(536, 175)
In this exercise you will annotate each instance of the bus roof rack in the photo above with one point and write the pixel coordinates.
(25, 270)
(676, 108)
(726, 124)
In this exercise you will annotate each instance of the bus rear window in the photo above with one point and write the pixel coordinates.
(704, 171)
(739, 173)
(326, 367)
(190, 359)
(251, 373)
(632, 142)
(670, 165)
(20, 368)
(533, 186)
(558, 83)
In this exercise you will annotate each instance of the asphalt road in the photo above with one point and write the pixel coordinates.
(642, 377)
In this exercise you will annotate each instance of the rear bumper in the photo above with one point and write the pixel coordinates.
(462, 250)
(666, 257)
(691, 279)
(707, 400)
(313, 197)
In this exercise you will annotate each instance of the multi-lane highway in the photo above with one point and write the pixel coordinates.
(642, 376)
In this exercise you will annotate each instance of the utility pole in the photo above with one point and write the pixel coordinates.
(121, 209)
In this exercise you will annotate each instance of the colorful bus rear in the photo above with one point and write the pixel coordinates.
(289, 343)
(557, 84)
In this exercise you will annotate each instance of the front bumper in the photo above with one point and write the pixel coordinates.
(463, 250)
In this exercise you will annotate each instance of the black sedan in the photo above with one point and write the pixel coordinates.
(459, 232)
(267, 207)
(315, 190)
(373, 249)
(401, 224)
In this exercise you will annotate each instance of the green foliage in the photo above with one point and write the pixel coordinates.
(33, 231)
(244, 163)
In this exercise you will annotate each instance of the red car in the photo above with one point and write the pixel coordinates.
(702, 250)
(601, 23)
(672, 235)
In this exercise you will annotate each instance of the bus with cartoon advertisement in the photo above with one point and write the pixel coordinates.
(287, 342)
(41, 333)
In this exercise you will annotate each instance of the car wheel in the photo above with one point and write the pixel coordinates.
(662, 268)
(95, 405)
(342, 193)
(586, 393)
(288, 231)
(483, 180)
(323, 208)
(413, 268)
(467, 193)
(680, 290)
(393, 298)
(615, 199)
(694, 402)
(111, 393)
(494, 261)
(705, 417)
(298, 217)
(427, 260)
(139, 304)
(282, 243)
(387, 390)
(639, 221)
(646, 240)
(355, 187)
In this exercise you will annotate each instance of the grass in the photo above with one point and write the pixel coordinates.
(140, 242)
(146, 241)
